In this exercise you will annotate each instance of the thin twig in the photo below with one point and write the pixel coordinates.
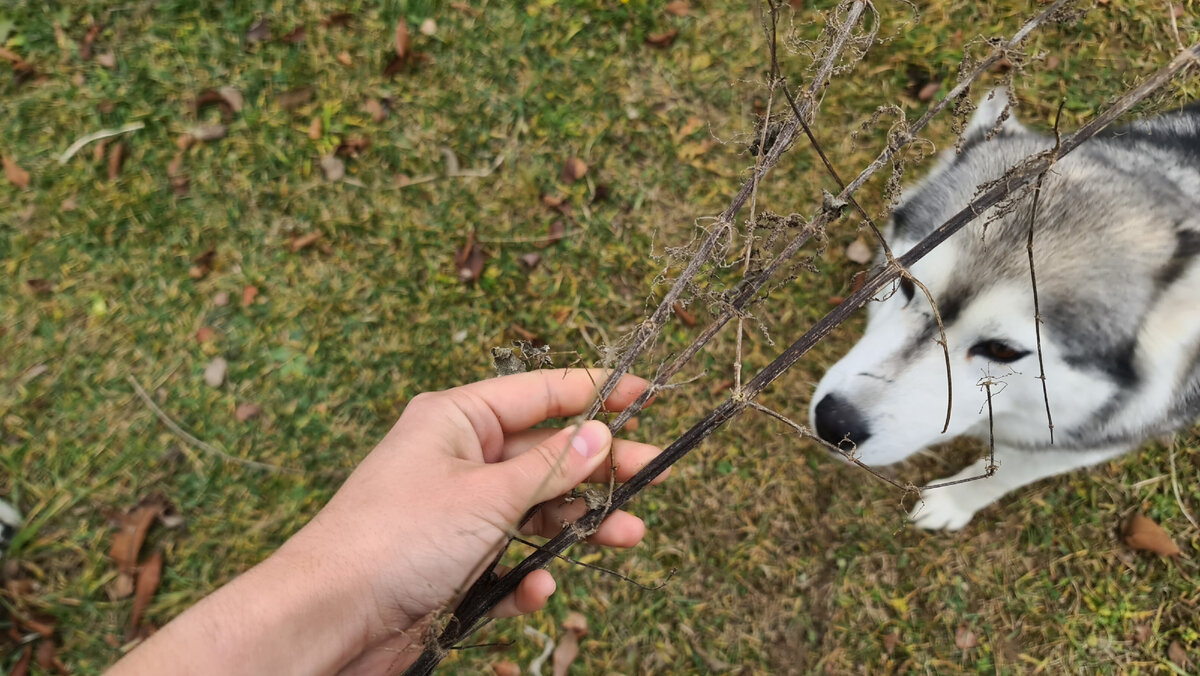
(96, 136)
(601, 569)
(1175, 486)
(197, 443)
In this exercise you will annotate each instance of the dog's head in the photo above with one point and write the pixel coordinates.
(1095, 266)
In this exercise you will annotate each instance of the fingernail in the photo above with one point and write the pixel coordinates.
(588, 440)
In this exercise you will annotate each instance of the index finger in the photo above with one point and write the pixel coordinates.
(523, 400)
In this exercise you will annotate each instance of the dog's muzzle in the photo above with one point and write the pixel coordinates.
(839, 423)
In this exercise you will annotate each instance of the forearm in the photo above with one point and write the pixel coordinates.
(292, 614)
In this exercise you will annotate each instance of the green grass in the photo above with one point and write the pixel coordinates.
(788, 563)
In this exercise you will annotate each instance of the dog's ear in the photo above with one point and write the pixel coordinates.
(994, 112)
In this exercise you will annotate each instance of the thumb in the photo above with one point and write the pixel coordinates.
(559, 463)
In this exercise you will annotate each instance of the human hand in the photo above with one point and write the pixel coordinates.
(411, 528)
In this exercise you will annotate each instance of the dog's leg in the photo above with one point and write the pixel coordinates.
(952, 507)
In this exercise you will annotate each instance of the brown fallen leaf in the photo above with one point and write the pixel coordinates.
(602, 193)
(345, 59)
(1142, 533)
(14, 58)
(41, 287)
(68, 205)
(376, 109)
(315, 128)
(259, 31)
(530, 260)
(249, 293)
(1177, 11)
(890, 641)
(304, 241)
(573, 170)
(294, 36)
(525, 333)
(505, 669)
(294, 98)
(926, 93)
(1053, 62)
(964, 638)
(686, 317)
(107, 59)
(21, 668)
(148, 577)
(179, 184)
(218, 98)
(132, 527)
(678, 7)
(554, 233)
(203, 264)
(858, 280)
(221, 299)
(428, 27)
(663, 39)
(208, 132)
(214, 373)
(116, 158)
(333, 168)
(337, 19)
(576, 623)
(859, 252)
(470, 262)
(184, 141)
(205, 334)
(720, 387)
(247, 411)
(1140, 634)
(465, 8)
(352, 146)
(85, 46)
(565, 653)
(47, 657)
(554, 201)
(400, 39)
(1178, 655)
(15, 174)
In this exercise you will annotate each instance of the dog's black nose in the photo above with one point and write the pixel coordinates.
(840, 423)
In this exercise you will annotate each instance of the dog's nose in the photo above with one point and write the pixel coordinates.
(840, 423)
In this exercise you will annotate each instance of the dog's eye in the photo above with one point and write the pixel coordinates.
(997, 351)
(907, 288)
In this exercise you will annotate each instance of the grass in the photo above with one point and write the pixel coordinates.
(788, 563)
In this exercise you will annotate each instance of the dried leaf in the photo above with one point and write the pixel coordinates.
(890, 641)
(859, 252)
(294, 36)
(553, 234)
(1053, 62)
(21, 668)
(678, 7)
(525, 333)
(684, 316)
(304, 241)
(204, 263)
(69, 204)
(964, 638)
(232, 97)
(208, 132)
(15, 59)
(247, 411)
(315, 128)
(352, 146)
(337, 19)
(573, 170)
(148, 576)
(465, 8)
(400, 40)
(294, 98)
(565, 653)
(183, 142)
(132, 527)
(249, 293)
(554, 201)
(926, 93)
(1144, 534)
(376, 109)
(41, 287)
(47, 657)
(601, 194)
(221, 299)
(107, 59)
(662, 39)
(1177, 11)
(85, 47)
(428, 27)
(720, 387)
(219, 98)
(531, 260)
(1178, 655)
(506, 669)
(470, 263)
(179, 185)
(15, 174)
(214, 373)
(260, 31)
(345, 59)
(205, 334)
(116, 158)
(1140, 634)
(576, 623)
(333, 168)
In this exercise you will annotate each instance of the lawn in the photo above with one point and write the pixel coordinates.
(333, 300)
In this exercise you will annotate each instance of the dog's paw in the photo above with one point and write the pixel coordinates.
(10, 521)
(947, 508)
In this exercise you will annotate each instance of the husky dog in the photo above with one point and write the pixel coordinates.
(1116, 249)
